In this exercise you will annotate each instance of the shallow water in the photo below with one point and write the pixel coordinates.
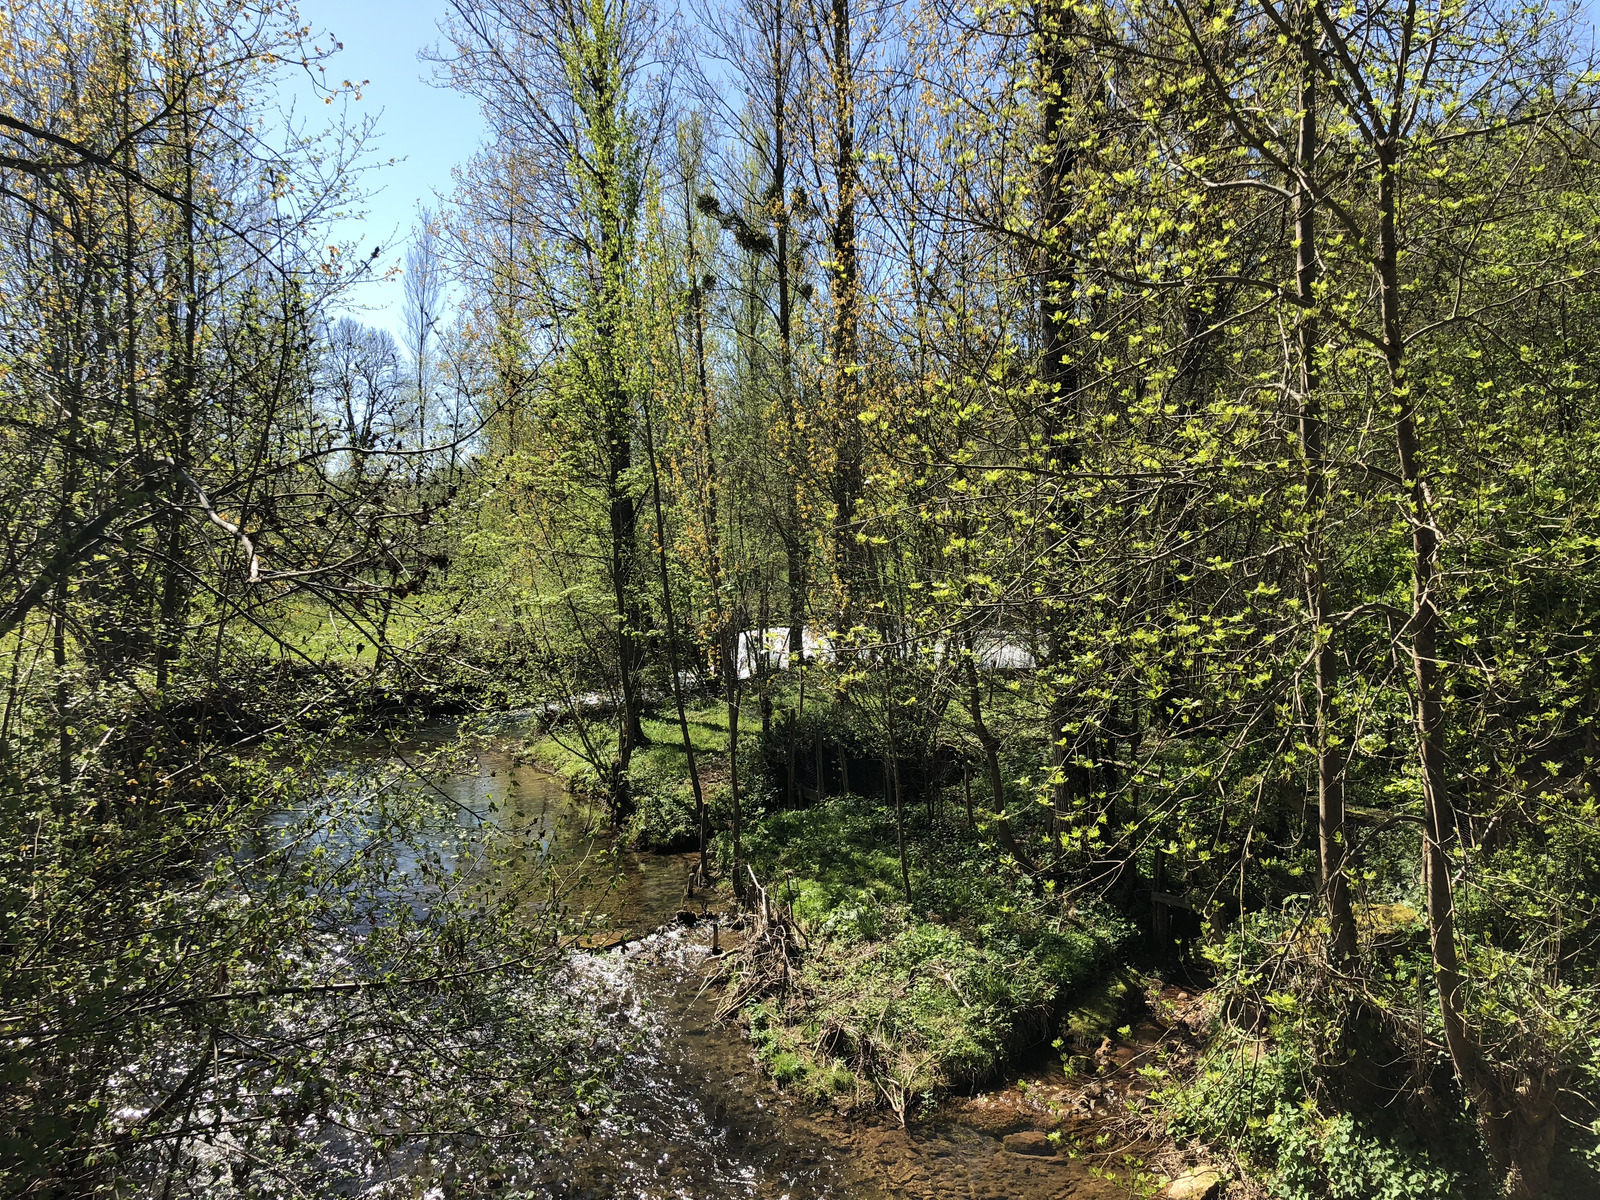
(691, 1116)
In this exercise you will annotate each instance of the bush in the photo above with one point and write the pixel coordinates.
(1250, 1094)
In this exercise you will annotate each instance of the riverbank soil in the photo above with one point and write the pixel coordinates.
(1045, 1136)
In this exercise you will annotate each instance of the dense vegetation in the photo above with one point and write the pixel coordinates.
(1051, 491)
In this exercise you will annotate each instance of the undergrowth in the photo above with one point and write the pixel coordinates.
(899, 1002)
(1251, 1095)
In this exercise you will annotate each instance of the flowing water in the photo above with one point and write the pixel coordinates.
(692, 1117)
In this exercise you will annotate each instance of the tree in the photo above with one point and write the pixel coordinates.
(558, 85)
(192, 457)
(424, 299)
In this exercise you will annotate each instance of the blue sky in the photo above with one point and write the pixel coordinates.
(429, 129)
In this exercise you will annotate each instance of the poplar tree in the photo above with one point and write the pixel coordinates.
(561, 88)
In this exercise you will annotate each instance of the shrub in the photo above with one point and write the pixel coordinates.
(1251, 1094)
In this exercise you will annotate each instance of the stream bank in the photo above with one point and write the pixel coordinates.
(692, 1115)
(697, 1120)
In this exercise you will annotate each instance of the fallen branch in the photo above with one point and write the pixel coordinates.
(766, 962)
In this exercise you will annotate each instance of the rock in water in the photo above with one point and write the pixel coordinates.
(1202, 1183)
(1029, 1141)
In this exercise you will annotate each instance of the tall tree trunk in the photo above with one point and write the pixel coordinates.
(1053, 28)
(184, 328)
(1519, 1120)
(669, 613)
(763, 665)
(623, 508)
(736, 833)
(891, 782)
(779, 215)
(63, 695)
(623, 520)
(690, 152)
(845, 274)
(1330, 774)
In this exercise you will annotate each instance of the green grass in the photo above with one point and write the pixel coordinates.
(323, 636)
(899, 1002)
(563, 756)
(827, 859)
(659, 774)
(708, 730)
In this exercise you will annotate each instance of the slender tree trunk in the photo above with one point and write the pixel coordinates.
(623, 509)
(991, 761)
(731, 684)
(847, 466)
(792, 767)
(180, 409)
(891, 781)
(1519, 1121)
(764, 667)
(58, 648)
(900, 821)
(793, 540)
(1330, 775)
(1053, 22)
(668, 613)
(690, 151)
(623, 526)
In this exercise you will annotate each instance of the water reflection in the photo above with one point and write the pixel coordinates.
(686, 1114)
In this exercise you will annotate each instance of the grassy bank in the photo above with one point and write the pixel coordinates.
(900, 999)
(664, 819)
